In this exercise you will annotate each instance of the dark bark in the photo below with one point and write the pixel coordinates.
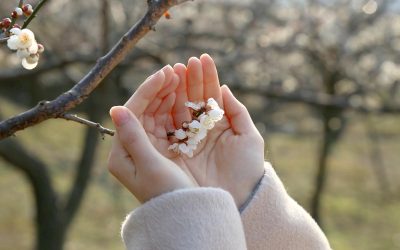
(329, 138)
(47, 221)
(52, 109)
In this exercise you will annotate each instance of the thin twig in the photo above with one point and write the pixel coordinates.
(75, 118)
(77, 94)
(33, 15)
(13, 20)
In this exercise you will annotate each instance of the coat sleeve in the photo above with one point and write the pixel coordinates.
(198, 218)
(273, 220)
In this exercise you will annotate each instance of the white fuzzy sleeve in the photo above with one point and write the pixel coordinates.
(273, 220)
(198, 218)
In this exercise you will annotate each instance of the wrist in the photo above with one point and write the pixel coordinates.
(248, 187)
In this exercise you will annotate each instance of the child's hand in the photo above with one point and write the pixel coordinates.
(232, 154)
(141, 130)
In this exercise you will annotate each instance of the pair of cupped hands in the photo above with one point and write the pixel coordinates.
(231, 157)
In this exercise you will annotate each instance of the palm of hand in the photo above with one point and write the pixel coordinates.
(230, 157)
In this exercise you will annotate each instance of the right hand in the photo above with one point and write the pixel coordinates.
(232, 154)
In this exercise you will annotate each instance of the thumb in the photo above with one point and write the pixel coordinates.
(236, 112)
(132, 136)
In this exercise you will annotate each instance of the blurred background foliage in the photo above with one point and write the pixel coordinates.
(321, 79)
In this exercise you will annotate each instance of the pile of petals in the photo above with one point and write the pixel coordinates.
(23, 41)
(204, 118)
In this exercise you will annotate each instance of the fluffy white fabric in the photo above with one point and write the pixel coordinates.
(199, 218)
(207, 218)
(273, 220)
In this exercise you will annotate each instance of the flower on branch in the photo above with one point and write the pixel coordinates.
(24, 42)
(205, 116)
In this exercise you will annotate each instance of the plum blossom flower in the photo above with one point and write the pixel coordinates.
(24, 42)
(195, 106)
(205, 116)
(216, 114)
(180, 134)
(212, 103)
(174, 147)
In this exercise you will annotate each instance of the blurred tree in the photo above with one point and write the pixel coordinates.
(338, 57)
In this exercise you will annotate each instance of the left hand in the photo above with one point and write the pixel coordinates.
(134, 159)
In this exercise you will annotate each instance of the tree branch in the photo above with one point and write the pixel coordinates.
(70, 99)
(75, 118)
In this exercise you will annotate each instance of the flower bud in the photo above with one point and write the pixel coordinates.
(6, 22)
(19, 11)
(27, 9)
(40, 48)
(14, 14)
(16, 25)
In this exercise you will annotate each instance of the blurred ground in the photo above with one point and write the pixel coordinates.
(355, 214)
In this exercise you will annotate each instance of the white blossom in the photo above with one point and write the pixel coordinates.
(216, 114)
(212, 103)
(186, 149)
(174, 147)
(192, 133)
(23, 41)
(180, 134)
(22, 53)
(194, 126)
(195, 106)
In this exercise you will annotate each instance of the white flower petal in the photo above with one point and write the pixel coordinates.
(19, 11)
(193, 141)
(15, 31)
(206, 121)
(212, 103)
(216, 114)
(33, 49)
(12, 42)
(28, 65)
(195, 106)
(194, 126)
(23, 53)
(180, 134)
(201, 134)
(25, 38)
(174, 147)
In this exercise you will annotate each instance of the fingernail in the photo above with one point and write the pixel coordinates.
(119, 115)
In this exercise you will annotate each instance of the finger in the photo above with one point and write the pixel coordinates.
(236, 113)
(168, 89)
(133, 137)
(169, 126)
(146, 92)
(180, 112)
(210, 79)
(161, 116)
(194, 80)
